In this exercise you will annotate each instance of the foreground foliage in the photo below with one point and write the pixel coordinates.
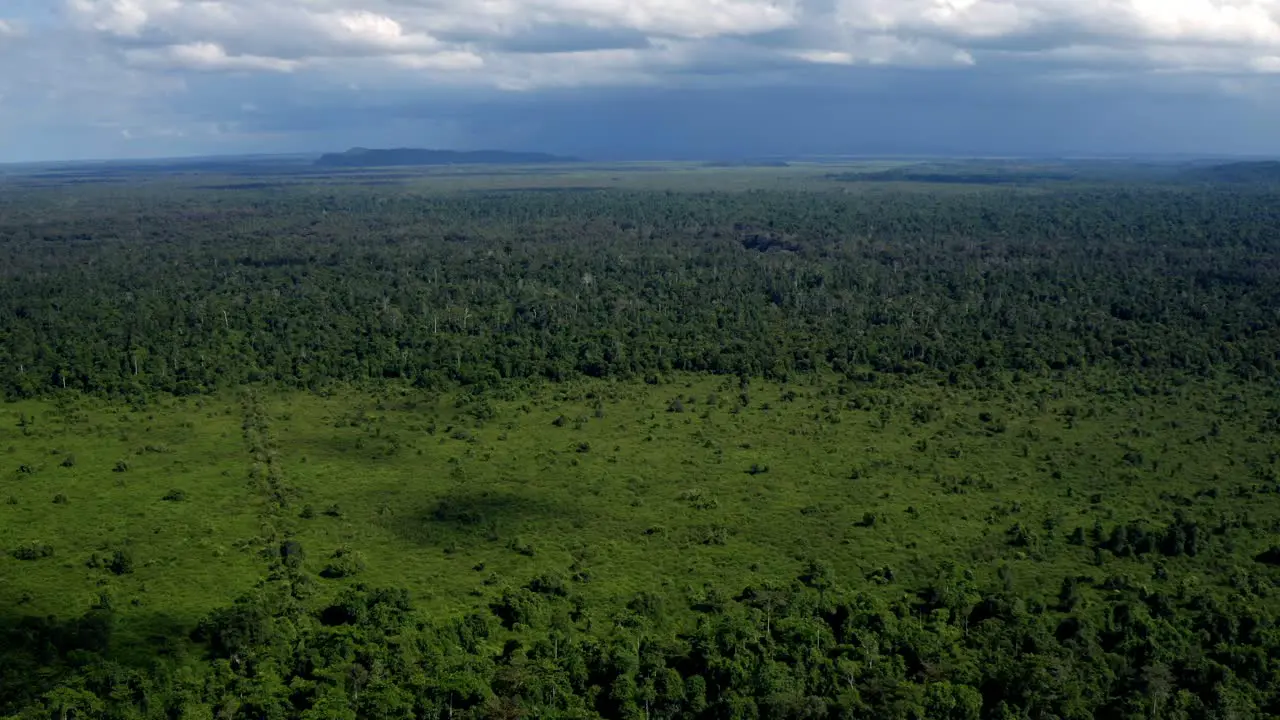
(806, 649)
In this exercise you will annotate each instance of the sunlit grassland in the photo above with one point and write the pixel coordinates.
(618, 483)
(626, 486)
(85, 478)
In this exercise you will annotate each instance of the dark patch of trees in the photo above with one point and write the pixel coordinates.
(1258, 172)
(301, 289)
(810, 648)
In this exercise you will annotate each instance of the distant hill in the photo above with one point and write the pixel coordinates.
(747, 164)
(976, 173)
(1262, 172)
(364, 157)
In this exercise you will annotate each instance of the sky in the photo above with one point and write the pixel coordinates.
(639, 79)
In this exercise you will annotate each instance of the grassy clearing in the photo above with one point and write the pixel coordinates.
(627, 487)
(162, 486)
(640, 487)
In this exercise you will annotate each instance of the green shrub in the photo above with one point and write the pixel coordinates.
(291, 554)
(522, 547)
(32, 551)
(344, 563)
(121, 563)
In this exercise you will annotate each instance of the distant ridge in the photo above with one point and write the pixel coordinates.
(1264, 172)
(365, 157)
(964, 174)
(747, 163)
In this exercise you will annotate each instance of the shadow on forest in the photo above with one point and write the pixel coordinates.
(37, 653)
(486, 513)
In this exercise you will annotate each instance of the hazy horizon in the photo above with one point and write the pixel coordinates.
(834, 158)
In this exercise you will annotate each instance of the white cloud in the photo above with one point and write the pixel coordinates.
(374, 32)
(447, 60)
(1135, 21)
(160, 63)
(1215, 21)
(206, 56)
(395, 23)
(826, 57)
(451, 36)
(681, 18)
(890, 50)
(1267, 64)
(670, 18)
(120, 17)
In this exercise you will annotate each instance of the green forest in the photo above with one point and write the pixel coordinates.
(745, 444)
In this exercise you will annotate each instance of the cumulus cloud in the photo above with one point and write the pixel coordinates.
(119, 17)
(1190, 21)
(206, 56)
(547, 40)
(170, 62)
(446, 60)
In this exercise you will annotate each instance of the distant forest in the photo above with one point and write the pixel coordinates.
(364, 157)
(1247, 173)
(301, 288)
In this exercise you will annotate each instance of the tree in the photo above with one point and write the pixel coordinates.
(71, 702)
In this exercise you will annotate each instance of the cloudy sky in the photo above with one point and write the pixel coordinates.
(639, 78)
